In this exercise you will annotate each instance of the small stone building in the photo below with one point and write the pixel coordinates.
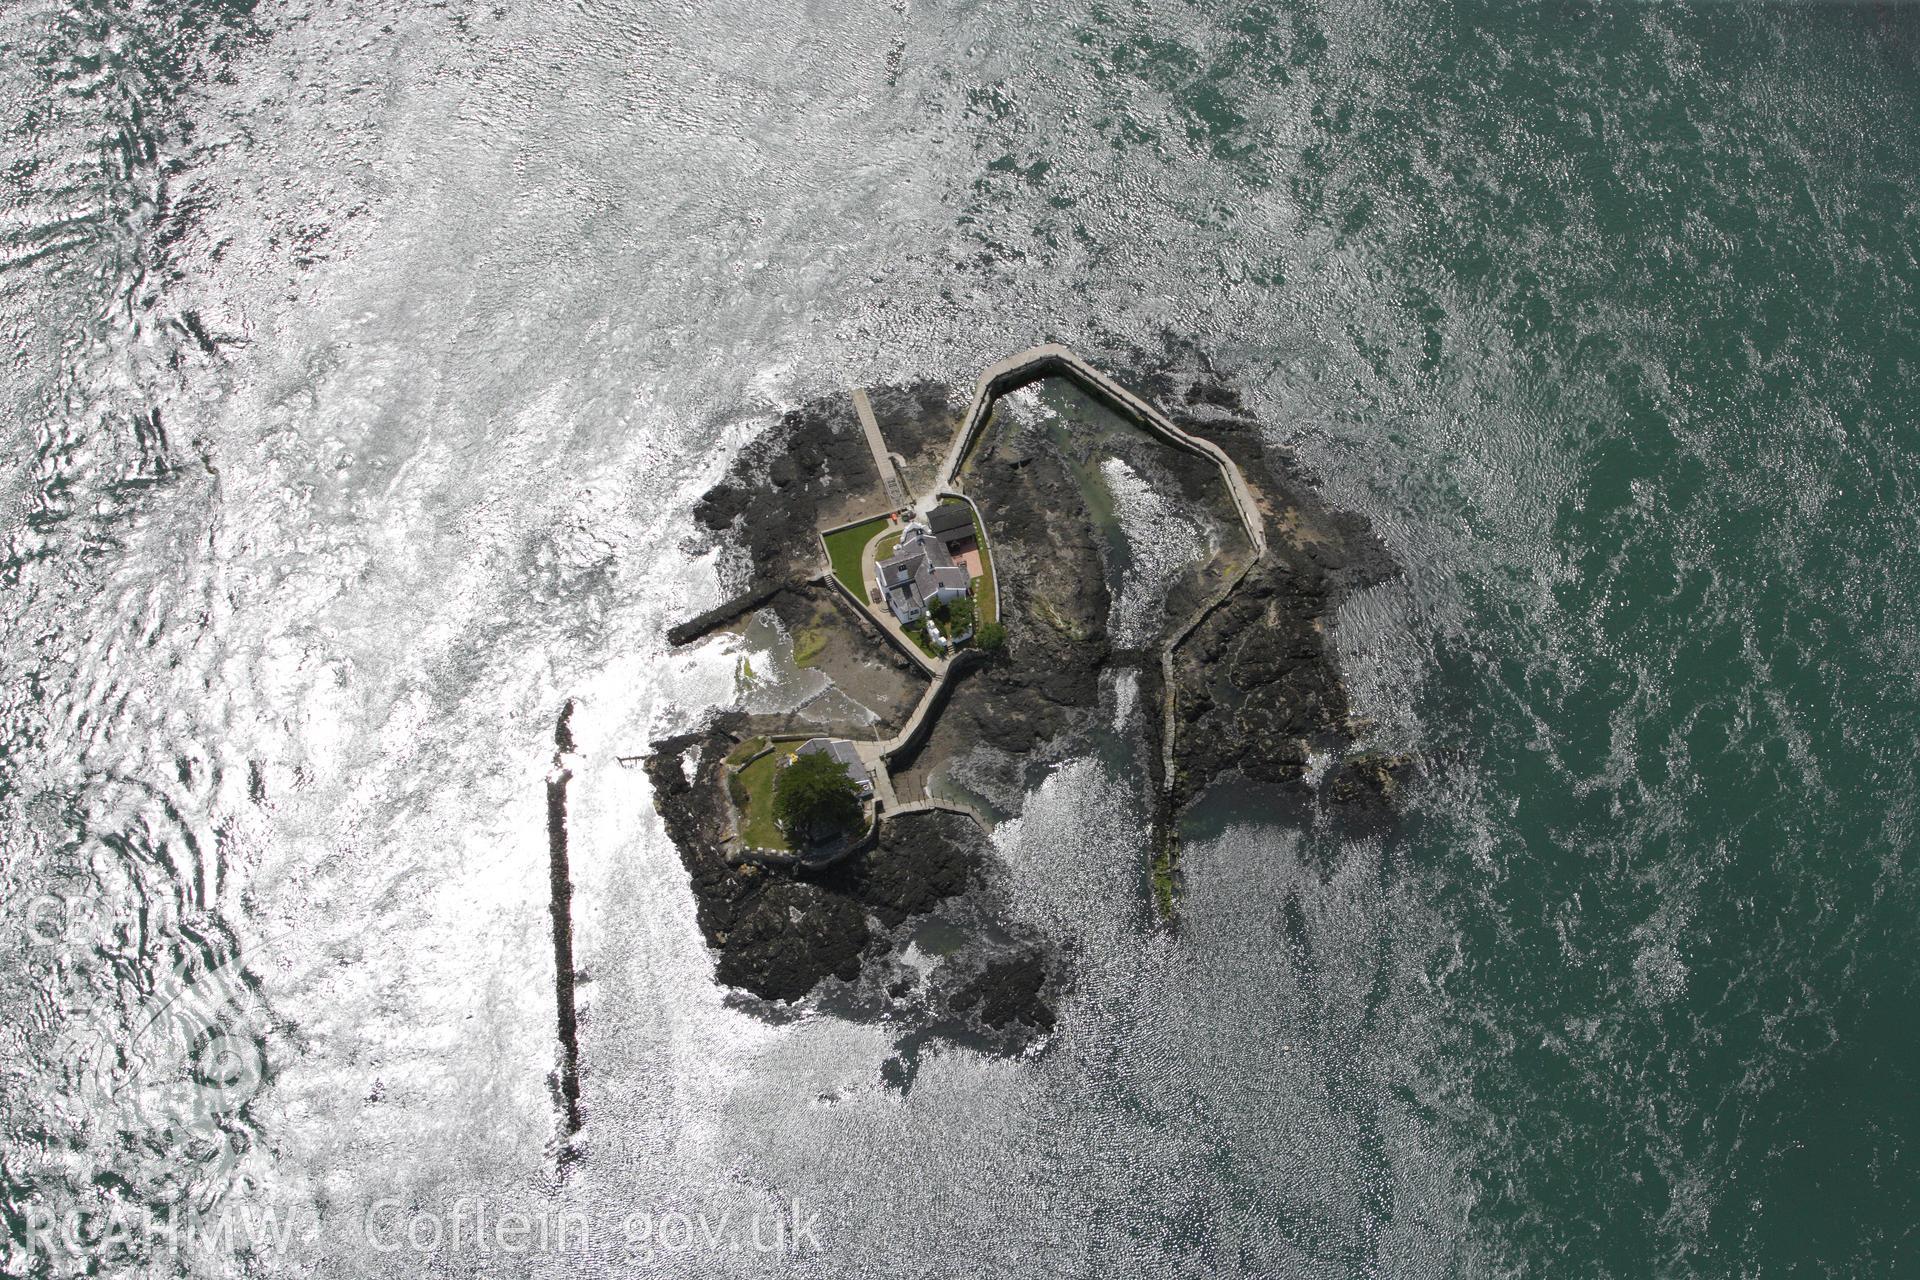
(844, 753)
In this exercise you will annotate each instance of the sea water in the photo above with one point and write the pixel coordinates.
(368, 362)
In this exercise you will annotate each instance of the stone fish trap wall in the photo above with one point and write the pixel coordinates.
(1053, 359)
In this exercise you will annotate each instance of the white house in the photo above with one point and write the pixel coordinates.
(920, 571)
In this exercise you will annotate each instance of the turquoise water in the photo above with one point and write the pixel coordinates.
(1673, 720)
(369, 362)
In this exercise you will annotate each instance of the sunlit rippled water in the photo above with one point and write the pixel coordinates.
(369, 361)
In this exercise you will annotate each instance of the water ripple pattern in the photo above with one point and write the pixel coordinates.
(365, 364)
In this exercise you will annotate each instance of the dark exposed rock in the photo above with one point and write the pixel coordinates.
(566, 1079)
(1254, 683)
(779, 490)
(721, 614)
(859, 661)
(1212, 394)
(1257, 684)
(1053, 600)
(1367, 784)
(1009, 991)
(920, 862)
(780, 932)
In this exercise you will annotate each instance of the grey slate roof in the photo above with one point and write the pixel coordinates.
(933, 579)
(950, 519)
(921, 566)
(839, 750)
(916, 550)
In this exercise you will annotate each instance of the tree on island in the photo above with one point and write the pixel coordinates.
(954, 618)
(990, 635)
(814, 799)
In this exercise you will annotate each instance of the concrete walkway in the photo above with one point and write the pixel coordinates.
(873, 756)
(928, 701)
(882, 461)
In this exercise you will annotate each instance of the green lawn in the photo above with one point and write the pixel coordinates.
(917, 632)
(752, 790)
(844, 548)
(986, 604)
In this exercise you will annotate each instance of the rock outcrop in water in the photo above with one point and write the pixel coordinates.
(566, 1079)
(780, 932)
(1255, 693)
(802, 475)
(1256, 685)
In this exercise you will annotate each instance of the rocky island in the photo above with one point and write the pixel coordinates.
(962, 582)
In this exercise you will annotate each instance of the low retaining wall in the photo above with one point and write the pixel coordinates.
(912, 654)
(854, 524)
(928, 712)
(788, 858)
